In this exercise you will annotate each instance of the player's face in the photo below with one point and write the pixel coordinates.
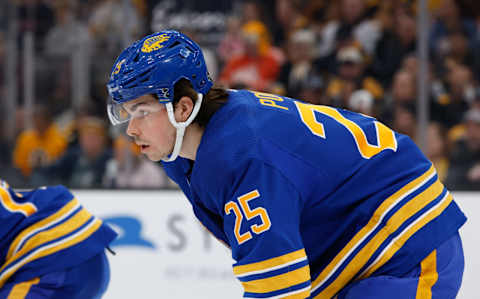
(150, 127)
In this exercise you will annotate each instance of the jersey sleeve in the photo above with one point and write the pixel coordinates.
(13, 209)
(262, 223)
(46, 230)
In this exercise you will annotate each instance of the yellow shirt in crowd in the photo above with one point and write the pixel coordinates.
(33, 149)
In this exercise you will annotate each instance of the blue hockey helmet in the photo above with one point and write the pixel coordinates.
(153, 65)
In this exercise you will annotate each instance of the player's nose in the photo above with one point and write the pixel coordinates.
(132, 129)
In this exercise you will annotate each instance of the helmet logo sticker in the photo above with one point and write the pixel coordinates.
(164, 93)
(153, 65)
(154, 43)
(118, 67)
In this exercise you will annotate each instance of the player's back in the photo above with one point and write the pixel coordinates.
(319, 148)
(368, 195)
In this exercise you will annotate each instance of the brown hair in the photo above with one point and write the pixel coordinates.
(215, 98)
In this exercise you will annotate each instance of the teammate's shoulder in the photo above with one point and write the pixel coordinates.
(48, 195)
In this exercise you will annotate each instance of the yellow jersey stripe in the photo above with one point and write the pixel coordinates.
(275, 283)
(56, 232)
(20, 291)
(398, 242)
(372, 224)
(428, 276)
(61, 214)
(270, 264)
(72, 240)
(404, 213)
(26, 208)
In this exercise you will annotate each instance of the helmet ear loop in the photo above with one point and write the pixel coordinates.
(181, 126)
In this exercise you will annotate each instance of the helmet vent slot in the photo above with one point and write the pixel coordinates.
(144, 74)
(174, 44)
(136, 58)
(129, 83)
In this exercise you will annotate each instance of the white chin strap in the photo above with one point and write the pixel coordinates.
(181, 126)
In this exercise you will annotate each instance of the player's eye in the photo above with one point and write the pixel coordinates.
(143, 113)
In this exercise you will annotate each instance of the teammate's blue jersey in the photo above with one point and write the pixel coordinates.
(46, 230)
(310, 198)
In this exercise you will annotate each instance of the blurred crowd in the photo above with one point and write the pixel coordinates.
(354, 54)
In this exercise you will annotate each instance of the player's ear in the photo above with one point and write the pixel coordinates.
(183, 109)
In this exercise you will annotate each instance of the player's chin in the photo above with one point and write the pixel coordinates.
(155, 157)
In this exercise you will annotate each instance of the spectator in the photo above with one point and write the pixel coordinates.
(394, 45)
(251, 11)
(476, 57)
(130, 170)
(4, 148)
(317, 14)
(5, 152)
(402, 92)
(437, 149)
(40, 145)
(312, 90)
(476, 102)
(352, 25)
(256, 68)
(232, 43)
(83, 165)
(288, 19)
(362, 101)
(454, 48)
(66, 35)
(351, 76)
(404, 89)
(460, 87)
(404, 119)
(7, 171)
(464, 170)
(299, 67)
(410, 64)
(448, 20)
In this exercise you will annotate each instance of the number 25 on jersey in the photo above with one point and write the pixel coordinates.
(249, 214)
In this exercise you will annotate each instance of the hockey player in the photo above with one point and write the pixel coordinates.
(314, 202)
(50, 246)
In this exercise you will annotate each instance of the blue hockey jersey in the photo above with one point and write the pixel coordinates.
(46, 230)
(310, 198)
